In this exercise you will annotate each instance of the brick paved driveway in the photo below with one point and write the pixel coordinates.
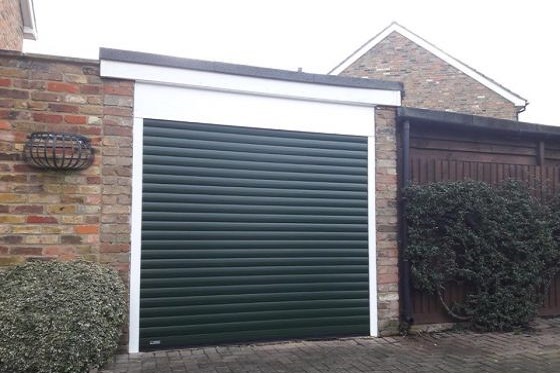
(536, 351)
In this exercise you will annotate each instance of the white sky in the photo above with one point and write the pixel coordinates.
(513, 42)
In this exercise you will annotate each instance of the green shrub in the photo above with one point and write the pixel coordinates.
(497, 242)
(59, 317)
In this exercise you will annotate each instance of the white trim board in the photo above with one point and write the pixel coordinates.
(136, 236)
(205, 80)
(467, 70)
(237, 109)
(28, 18)
(372, 241)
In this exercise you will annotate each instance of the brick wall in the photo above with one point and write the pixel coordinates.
(64, 214)
(11, 25)
(386, 219)
(429, 82)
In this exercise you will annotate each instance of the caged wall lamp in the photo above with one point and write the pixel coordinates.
(58, 151)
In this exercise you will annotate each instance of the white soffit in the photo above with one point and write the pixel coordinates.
(395, 27)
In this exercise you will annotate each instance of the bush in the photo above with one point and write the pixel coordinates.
(59, 317)
(496, 242)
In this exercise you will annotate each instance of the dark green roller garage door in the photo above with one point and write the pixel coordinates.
(251, 234)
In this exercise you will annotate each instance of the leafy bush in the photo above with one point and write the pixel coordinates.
(59, 317)
(497, 242)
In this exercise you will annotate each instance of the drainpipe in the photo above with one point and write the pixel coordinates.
(404, 263)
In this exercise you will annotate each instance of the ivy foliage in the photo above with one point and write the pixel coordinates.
(59, 317)
(497, 242)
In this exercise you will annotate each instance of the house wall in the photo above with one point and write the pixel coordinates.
(386, 220)
(429, 82)
(11, 25)
(64, 214)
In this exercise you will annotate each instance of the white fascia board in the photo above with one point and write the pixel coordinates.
(249, 85)
(28, 17)
(395, 27)
(362, 50)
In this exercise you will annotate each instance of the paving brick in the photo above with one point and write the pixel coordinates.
(445, 352)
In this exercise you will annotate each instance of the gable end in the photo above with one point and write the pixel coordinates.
(518, 101)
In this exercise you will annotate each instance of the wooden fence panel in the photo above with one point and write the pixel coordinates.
(543, 181)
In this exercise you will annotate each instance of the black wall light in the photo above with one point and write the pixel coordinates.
(58, 151)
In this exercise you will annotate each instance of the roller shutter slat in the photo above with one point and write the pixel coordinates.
(250, 164)
(246, 235)
(296, 174)
(250, 334)
(305, 141)
(247, 191)
(204, 128)
(261, 315)
(260, 209)
(257, 244)
(232, 299)
(251, 148)
(262, 271)
(250, 289)
(193, 309)
(257, 183)
(250, 277)
(202, 199)
(192, 153)
(161, 257)
(229, 325)
(223, 226)
(296, 263)
(172, 216)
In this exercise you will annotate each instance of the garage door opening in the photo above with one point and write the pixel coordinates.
(251, 234)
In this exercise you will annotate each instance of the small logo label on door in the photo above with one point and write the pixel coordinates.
(152, 343)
